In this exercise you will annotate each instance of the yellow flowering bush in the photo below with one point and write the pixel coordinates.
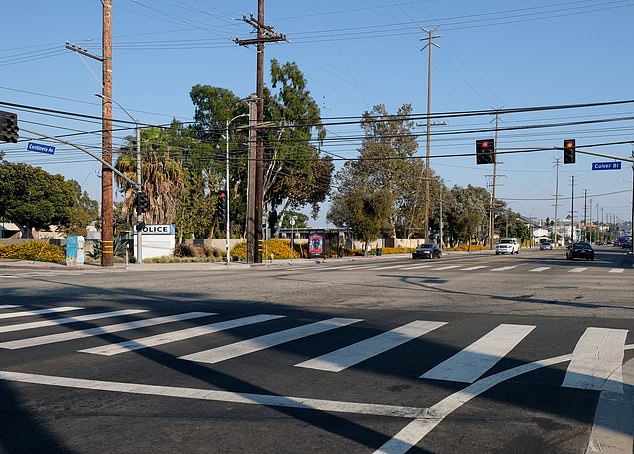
(276, 248)
(465, 247)
(33, 250)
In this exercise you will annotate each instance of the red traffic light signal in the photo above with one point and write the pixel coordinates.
(485, 151)
(569, 151)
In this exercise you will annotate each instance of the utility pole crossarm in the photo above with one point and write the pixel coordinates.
(81, 51)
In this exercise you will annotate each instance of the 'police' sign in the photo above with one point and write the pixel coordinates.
(159, 229)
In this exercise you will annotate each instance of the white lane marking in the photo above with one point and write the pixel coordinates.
(504, 268)
(9, 276)
(616, 270)
(174, 336)
(597, 355)
(540, 269)
(52, 310)
(577, 270)
(613, 424)
(416, 430)
(448, 267)
(471, 363)
(473, 268)
(219, 396)
(65, 320)
(244, 347)
(8, 306)
(353, 354)
(393, 266)
(416, 267)
(61, 337)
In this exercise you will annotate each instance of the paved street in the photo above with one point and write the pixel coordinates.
(471, 353)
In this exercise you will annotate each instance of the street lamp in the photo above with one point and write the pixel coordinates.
(139, 215)
(227, 215)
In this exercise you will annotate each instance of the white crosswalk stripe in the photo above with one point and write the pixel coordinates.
(577, 270)
(448, 267)
(174, 336)
(353, 354)
(469, 364)
(8, 306)
(597, 356)
(66, 320)
(540, 269)
(504, 268)
(9, 276)
(61, 337)
(234, 350)
(616, 270)
(473, 268)
(416, 267)
(38, 312)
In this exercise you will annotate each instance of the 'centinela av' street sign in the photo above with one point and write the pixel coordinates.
(616, 165)
(40, 148)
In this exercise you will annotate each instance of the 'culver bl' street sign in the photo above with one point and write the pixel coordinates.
(616, 165)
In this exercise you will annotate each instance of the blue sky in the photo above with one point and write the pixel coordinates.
(354, 54)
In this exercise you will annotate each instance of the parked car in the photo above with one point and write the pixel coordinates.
(580, 250)
(546, 246)
(507, 246)
(426, 251)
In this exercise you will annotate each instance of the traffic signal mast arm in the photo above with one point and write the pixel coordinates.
(132, 182)
(603, 155)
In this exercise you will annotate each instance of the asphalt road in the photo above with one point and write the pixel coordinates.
(471, 353)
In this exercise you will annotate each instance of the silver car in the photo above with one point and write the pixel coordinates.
(546, 246)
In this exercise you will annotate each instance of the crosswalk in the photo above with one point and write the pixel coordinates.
(21, 274)
(460, 267)
(597, 356)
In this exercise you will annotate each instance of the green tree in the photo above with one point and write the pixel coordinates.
(295, 174)
(301, 220)
(467, 213)
(33, 198)
(84, 212)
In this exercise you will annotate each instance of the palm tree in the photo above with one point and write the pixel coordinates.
(161, 176)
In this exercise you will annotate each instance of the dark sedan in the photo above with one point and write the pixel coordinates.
(426, 251)
(580, 251)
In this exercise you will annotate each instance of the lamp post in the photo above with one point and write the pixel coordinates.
(227, 232)
(139, 215)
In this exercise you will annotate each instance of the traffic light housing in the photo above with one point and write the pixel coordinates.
(9, 127)
(222, 205)
(569, 151)
(485, 151)
(142, 202)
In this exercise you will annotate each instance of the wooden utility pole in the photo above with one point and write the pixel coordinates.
(107, 249)
(430, 44)
(265, 34)
(251, 244)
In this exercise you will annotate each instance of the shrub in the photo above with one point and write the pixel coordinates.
(34, 250)
(276, 248)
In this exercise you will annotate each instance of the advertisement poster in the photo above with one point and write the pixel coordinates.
(316, 245)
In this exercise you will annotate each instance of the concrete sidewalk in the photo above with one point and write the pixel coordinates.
(15, 264)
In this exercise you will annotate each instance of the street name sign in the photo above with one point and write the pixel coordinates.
(616, 165)
(40, 148)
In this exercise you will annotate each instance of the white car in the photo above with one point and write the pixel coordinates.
(507, 246)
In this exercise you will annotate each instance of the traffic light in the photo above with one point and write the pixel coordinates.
(8, 127)
(142, 202)
(485, 151)
(569, 151)
(222, 205)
